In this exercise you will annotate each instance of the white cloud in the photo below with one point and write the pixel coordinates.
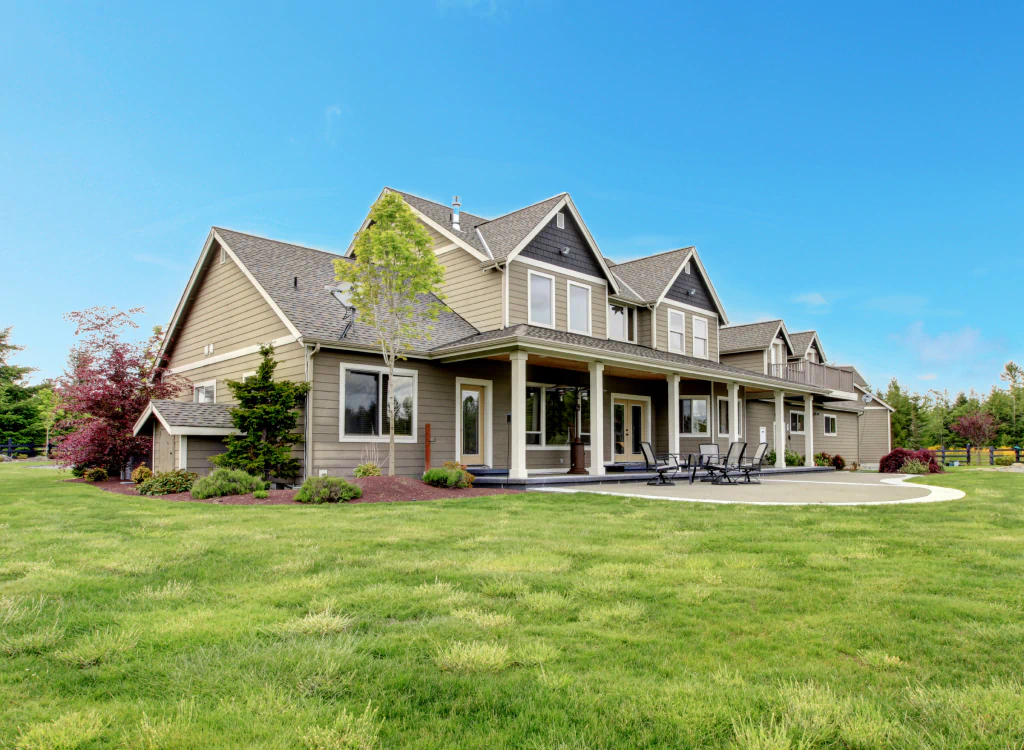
(812, 299)
(945, 348)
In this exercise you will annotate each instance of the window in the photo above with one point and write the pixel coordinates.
(831, 425)
(205, 393)
(560, 220)
(208, 350)
(223, 256)
(676, 332)
(621, 323)
(723, 416)
(700, 337)
(551, 414)
(778, 352)
(693, 416)
(534, 426)
(579, 308)
(796, 422)
(365, 394)
(247, 375)
(686, 268)
(542, 299)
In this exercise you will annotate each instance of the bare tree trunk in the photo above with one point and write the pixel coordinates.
(391, 415)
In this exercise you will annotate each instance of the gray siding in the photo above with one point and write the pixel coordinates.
(645, 334)
(199, 450)
(684, 283)
(662, 330)
(843, 443)
(472, 292)
(548, 244)
(753, 361)
(518, 311)
(875, 435)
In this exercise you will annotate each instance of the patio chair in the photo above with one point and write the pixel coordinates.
(662, 464)
(708, 453)
(751, 467)
(721, 468)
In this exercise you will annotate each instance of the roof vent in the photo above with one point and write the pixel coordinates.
(455, 213)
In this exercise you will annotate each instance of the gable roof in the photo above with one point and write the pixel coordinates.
(650, 278)
(504, 234)
(187, 418)
(802, 343)
(750, 336)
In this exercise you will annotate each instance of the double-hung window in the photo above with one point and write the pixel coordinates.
(579, 307)
(541, 294)
(205, 393)
(551, 415)
(621, 323)
(831, 426)
(796, 422)
(676, 332)
(700, 337)
(693, 416)
(366, 392)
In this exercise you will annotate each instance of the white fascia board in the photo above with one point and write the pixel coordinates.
(692, 255)
(862, 389)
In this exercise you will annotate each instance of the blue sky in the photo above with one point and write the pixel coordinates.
(857, 169)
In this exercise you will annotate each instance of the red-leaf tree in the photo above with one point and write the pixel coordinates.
(978, 429)
(105, 388)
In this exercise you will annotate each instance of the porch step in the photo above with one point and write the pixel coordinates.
(500, 479)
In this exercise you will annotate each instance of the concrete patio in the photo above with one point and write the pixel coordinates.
(831, 488)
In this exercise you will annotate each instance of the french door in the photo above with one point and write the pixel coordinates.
(629, 429)
(471, 404)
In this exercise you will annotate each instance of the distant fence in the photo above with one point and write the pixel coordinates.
(968, 455)
(31, 449)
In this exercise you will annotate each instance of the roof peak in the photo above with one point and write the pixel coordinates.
(655, 255)
(280, 242)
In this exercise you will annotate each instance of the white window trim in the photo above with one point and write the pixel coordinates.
(543, 445)
(381, 406)
(529, 299)
(681, 331)
(630, 311)
(488, 388)
(223, 256)
(718, 411)
(560, 220)
(568, 307)
(835, 421)
(802, 414)
(205, 384)
(247, 375)
(696, 397)
(707, 337)
(621, 398)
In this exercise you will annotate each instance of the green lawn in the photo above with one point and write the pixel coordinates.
(536, 621)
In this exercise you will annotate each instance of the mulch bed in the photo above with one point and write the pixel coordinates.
(375, 490)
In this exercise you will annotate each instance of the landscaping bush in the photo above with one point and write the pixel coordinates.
(96, 474)
(792, 458)
(224, 482)
(1004, 461)
(915, 466)
(467, 478)
(839, 462)
(368, 469)
(822, 459)
(168, 482)
(261, 494)
(78, 471)
(445, 478)
(892, 463)
(317, 490)
(141, 473)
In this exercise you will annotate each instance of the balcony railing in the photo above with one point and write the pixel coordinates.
(811, 373)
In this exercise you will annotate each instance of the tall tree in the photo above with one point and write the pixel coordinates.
(107, 385)
(1014, 375)
(978, 428)
(20, 419)
(266, 418)
(390, 278)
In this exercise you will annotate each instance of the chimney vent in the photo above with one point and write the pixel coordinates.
(455, 213)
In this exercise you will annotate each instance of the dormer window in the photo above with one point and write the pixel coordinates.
(622, 323)
(542, 299)
(560, 220)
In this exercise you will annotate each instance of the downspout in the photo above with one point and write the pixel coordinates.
(654, 324)
(307, 444)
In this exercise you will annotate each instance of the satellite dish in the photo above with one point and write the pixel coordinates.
(867, 398)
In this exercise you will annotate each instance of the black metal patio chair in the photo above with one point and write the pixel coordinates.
(722, 468)
(663, 464)
(751, 467)
(707, 453)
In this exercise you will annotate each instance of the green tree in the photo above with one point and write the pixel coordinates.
(390, 282)
(265, 417)
(20, 419)
(1014, 375)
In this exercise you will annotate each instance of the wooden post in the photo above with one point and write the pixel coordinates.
(426, 438)
(10, 448)
(991, 455)
(968, 454)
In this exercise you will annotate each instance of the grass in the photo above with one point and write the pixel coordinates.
(534, 621)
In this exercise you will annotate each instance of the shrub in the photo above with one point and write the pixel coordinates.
(839, 462)
(892, 463)
(224, 482)
(822, 459)
(467, 479)
(78, 471)
(915, 466)
(792, 458)
(261, 494)
(141, 473)
(1004, 461)
(368, 469)
(446, 478)
(317, 490)
(96, 474)
(168, 482)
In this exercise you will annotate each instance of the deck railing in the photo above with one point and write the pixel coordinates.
(811, 373)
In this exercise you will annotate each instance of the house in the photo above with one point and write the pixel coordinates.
(846, 424)
(541, 336)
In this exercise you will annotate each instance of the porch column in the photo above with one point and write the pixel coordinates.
(734, 412)
(780, 430)
(673, 413)
(517, 452)
(597, 425)
(809, 430)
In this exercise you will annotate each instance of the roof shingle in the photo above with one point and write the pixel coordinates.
(189, 414)
(748, 336)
